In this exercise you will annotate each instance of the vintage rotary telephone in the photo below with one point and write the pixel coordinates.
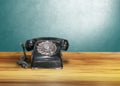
(46, 52)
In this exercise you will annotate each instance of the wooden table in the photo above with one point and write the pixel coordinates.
(80, 68)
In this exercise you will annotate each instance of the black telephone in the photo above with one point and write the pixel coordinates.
(46, 52)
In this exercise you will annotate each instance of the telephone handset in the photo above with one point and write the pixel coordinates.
(46, 52)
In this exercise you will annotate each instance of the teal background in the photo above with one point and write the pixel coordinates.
(89, 25)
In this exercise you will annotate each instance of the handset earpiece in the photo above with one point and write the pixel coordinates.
(29, 45)
(64, 45)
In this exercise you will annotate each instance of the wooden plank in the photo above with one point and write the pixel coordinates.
(79, 67)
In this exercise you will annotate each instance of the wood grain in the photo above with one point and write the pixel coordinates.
(80, 68)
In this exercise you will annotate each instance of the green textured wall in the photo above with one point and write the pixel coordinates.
(89, 25)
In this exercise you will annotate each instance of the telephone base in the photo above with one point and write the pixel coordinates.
(47, 64)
